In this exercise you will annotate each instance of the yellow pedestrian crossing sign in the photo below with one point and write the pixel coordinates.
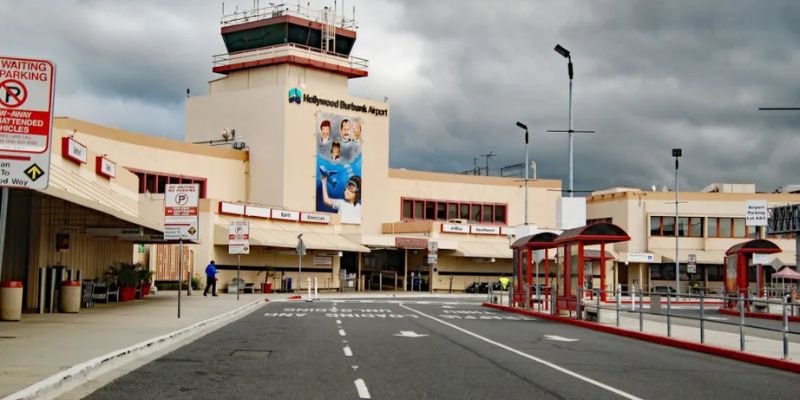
(34, 172)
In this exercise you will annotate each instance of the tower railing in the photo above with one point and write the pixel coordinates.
(279, 10)
(286, 48)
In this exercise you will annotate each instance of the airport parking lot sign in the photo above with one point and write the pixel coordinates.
(180, 212)
(26, 122)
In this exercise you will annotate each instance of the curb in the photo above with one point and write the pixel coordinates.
(41, 388)
(666, 341)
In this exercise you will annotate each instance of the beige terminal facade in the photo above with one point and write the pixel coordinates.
(300, 156)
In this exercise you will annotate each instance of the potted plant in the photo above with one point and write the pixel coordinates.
(127, 279)
(145, 278)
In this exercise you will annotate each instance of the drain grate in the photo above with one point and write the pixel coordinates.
(251, 354)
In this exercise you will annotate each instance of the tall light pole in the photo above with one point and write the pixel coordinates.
(677, 153)
(527, 167)
(566, 54)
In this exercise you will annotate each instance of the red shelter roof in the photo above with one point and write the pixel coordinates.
(754, 246)
(601, 232)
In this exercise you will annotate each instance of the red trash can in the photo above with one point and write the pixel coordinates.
(266, 287)
(69, 299)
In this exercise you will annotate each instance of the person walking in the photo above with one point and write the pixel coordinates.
(211, 279)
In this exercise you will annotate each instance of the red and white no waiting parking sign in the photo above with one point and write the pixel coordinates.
(26, 121)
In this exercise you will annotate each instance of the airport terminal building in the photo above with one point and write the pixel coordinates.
(279, 141)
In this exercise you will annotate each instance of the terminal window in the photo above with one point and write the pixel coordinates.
(442, 210)
(156, 182)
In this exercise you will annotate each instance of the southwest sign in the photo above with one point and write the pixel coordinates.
(26, 121)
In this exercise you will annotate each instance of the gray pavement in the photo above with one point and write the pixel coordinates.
(433, 348)
(45, 346)
(42, 345)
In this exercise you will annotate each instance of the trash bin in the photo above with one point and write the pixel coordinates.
(266, 287)
(655, 303)
(69, 297)
(11, 301)
(288, 284)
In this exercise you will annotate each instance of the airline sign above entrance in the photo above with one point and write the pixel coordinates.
(26, 120)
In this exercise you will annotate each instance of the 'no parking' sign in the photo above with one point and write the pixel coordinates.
(26, 121)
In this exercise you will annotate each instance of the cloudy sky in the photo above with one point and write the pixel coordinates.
(649, 76)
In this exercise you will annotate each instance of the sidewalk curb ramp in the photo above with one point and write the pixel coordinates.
(663, 340)
(66, 380)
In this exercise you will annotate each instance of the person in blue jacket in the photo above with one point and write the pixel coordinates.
(211, 279)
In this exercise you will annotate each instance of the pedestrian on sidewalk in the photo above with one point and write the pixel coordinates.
(211, 279)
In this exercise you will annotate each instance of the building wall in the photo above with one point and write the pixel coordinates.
(542, 194)
(224, 168)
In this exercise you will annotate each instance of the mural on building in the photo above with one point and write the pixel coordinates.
(339, 186)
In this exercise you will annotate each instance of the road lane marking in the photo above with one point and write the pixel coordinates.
(338, 322)
(341, 332)
(410, 334)
(559, 338)
(530, 357)
(362, 389)
(347, 351)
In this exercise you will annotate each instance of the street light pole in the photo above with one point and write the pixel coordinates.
(677, 153)
(527, 167)
(566, 54)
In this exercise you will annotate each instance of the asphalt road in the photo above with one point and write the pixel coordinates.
(434, 349)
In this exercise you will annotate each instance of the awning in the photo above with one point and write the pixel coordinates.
(260, 236)
(74, 189)
(483, 249)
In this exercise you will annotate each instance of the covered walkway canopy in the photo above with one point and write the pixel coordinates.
(571, 266)
(736, 264)
(282, 238)
(523, 257)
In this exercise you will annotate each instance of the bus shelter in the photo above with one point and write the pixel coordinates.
(736, 263)
(572, 260)
(526, 261)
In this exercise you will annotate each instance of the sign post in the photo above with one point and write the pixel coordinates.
(181, 221)
(26, 125)
(301, 251)
(238, 243)
(691, 266)
(433, 252)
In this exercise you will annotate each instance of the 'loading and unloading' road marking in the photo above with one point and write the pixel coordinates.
(530, 357)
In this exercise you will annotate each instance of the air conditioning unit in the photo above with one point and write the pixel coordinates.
(458, 221)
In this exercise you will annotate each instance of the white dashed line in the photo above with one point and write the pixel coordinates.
(338, 321)
(341, 332)
(362, 389)
(347, 351)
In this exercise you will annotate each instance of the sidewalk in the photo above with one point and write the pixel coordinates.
(42, 345)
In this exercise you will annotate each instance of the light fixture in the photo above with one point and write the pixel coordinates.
(564, 52)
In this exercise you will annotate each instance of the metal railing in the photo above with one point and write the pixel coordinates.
(701, 301)
(279, 10)
(273, 50)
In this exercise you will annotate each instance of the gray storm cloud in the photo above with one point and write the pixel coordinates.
(650, 76)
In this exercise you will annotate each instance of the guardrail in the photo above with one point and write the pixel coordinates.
(273, 50)
(589, 305)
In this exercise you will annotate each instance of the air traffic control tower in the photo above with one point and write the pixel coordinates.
(286, 70)
(282, 34)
